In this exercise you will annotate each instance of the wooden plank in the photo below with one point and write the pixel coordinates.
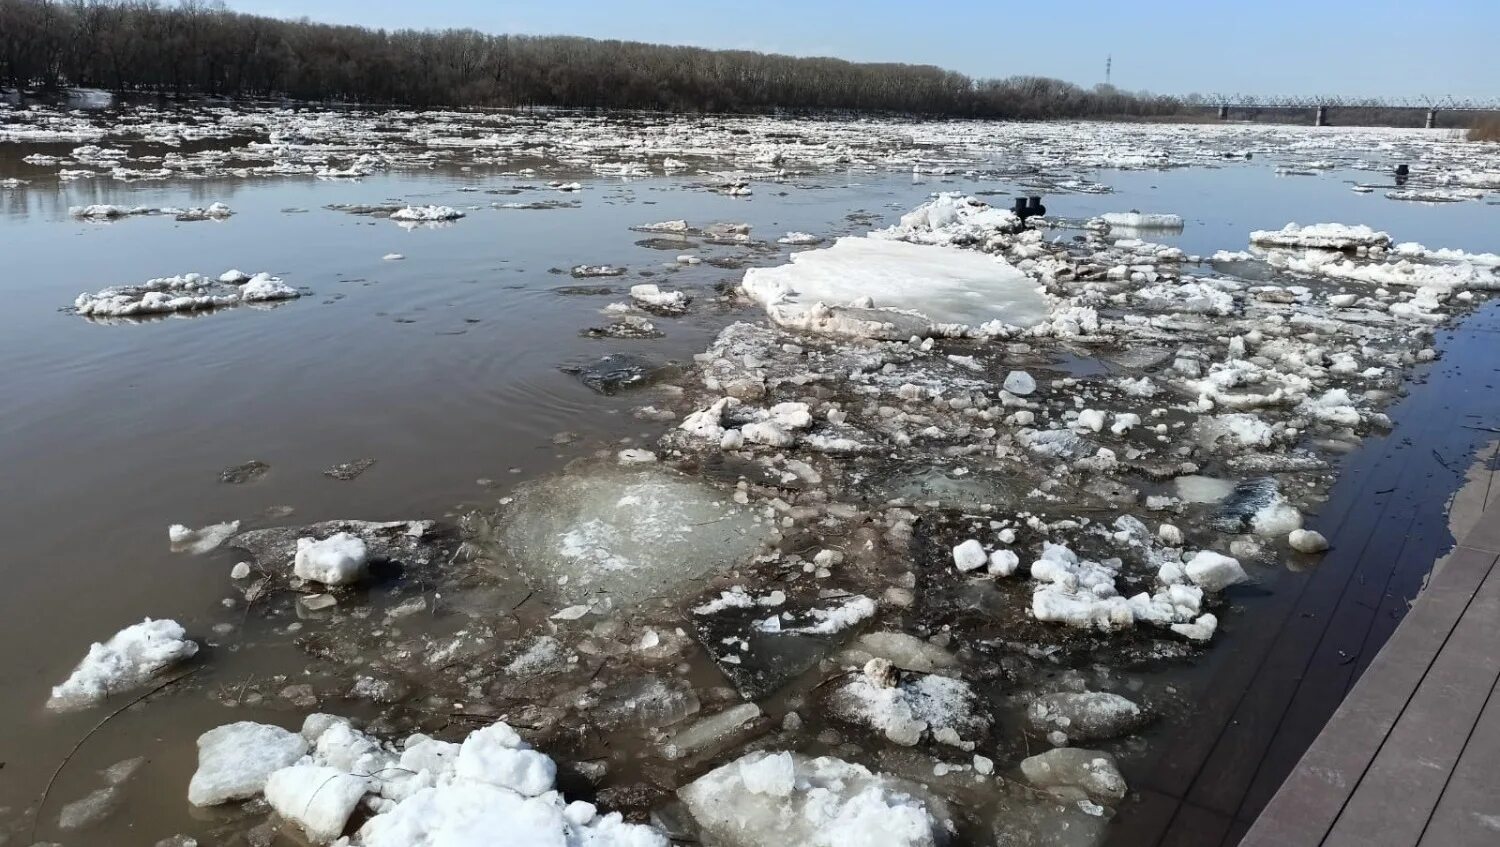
(1468, 815)
(1196, 827)
(1308, 803)
(1401, 789)
(1180, 763)
(1232, 765)
(1143, 819)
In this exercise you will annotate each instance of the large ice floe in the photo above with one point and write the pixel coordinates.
(188, 293)
(878, 288)
(131, 658)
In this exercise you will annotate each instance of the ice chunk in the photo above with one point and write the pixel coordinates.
(467, 799)
(426, 214)
(1307, 541)
(623, 532)
(1201, 629)
(1085, 716)
(1072, 772)
(655, 298)
(200, 541)
(1202, 489)
(711, 733)
(922, 706)
(235, 760)
(340, 559)
(1323, 236)
(934, 285)
(904, 651)
(1138, 220)
(829, 803)
(1019, 383)
(318, 799)
(1214, 571)
(496, 755)
(127, 660)
(969, 556)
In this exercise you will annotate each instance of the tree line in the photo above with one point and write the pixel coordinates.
(198, 47)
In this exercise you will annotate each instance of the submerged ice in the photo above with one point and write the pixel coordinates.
(623, 534)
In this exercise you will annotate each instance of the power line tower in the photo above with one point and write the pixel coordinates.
(1109, 62)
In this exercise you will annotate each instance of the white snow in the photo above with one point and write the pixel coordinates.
(928, 286)
(339, 559)
(129, 659)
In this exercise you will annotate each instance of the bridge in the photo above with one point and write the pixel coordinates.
(1321, 104)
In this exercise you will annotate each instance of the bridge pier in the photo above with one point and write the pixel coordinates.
(1224, 112)
(1432, 118)
(1322, 118)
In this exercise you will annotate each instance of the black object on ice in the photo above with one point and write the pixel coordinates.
(1029, 207)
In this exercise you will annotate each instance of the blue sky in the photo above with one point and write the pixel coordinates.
(1375, 47)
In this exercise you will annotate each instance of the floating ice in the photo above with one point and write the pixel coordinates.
(624, 533)
(200, 541)
(911, 286)
(192, 292)
(1214, 571)
(1322, 236)
(426, 214)
(792, 800)
(318, 799)
(235, 760)
(1085, 716)
(1138, 220)
(1075, 773)
(127, 660)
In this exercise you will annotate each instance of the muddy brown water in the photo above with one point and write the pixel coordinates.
(444, 369)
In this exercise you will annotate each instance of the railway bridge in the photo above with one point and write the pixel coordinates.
(1320, 105)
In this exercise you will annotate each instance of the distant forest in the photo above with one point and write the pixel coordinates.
(195, 47)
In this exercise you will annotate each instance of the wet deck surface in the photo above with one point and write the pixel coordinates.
(1300, 645)
(1409, 758)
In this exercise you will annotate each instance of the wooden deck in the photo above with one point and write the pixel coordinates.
(1412, 756)
(1296, 647)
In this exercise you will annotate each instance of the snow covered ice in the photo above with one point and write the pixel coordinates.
(489, 789)
(128, 660)
(789, 799)
(876, 287)
(189, 293)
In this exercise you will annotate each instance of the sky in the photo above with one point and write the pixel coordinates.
(1393, 48)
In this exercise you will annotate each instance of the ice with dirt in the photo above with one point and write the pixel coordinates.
(876, 280)
(791, 800)
(129, 659)
(624, 533)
